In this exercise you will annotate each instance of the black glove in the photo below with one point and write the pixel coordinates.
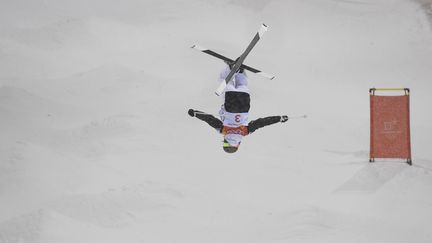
(284, 118)
(191, 112)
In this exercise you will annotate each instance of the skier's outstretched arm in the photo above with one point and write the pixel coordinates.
(209, 119)
(262, 122)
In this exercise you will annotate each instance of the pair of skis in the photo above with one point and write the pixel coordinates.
(238, 63)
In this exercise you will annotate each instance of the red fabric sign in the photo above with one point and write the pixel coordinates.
(390, 127)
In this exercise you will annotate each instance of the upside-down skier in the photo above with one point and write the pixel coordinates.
(234, 113)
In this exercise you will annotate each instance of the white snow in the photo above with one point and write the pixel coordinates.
(96, 144)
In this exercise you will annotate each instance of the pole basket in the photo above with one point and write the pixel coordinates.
(390, 125)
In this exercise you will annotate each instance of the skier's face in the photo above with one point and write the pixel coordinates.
(233, 139)
(228, 144)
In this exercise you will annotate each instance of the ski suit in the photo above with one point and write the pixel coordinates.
(234, 113)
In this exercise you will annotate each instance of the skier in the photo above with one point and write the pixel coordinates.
(234, 112)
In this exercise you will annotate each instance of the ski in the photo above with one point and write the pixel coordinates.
(229, 60)
(241, 59)
(259, 72)
(212, 53)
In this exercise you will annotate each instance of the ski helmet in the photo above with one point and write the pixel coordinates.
(227, 147)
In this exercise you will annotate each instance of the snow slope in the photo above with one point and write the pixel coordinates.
(97, 146)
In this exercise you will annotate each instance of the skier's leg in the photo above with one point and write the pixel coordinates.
(241, 79)
(224, 73)
(241, 82)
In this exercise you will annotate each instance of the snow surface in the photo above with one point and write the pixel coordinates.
(96, 144)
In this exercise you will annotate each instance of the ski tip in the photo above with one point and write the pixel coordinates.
(199, 48)
(266, 75)
(262, 30)
(220, 89)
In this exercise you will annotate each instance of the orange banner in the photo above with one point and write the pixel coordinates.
(390, 127)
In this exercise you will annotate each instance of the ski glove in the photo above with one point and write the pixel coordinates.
(191, 112)
(284, 118)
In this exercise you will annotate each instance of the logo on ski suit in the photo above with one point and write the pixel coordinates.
(241, 130)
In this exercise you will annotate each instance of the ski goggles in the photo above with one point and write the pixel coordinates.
(226, 144)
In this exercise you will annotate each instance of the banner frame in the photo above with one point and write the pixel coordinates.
(408, 139)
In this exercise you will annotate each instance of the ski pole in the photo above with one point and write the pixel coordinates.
(297, 117)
